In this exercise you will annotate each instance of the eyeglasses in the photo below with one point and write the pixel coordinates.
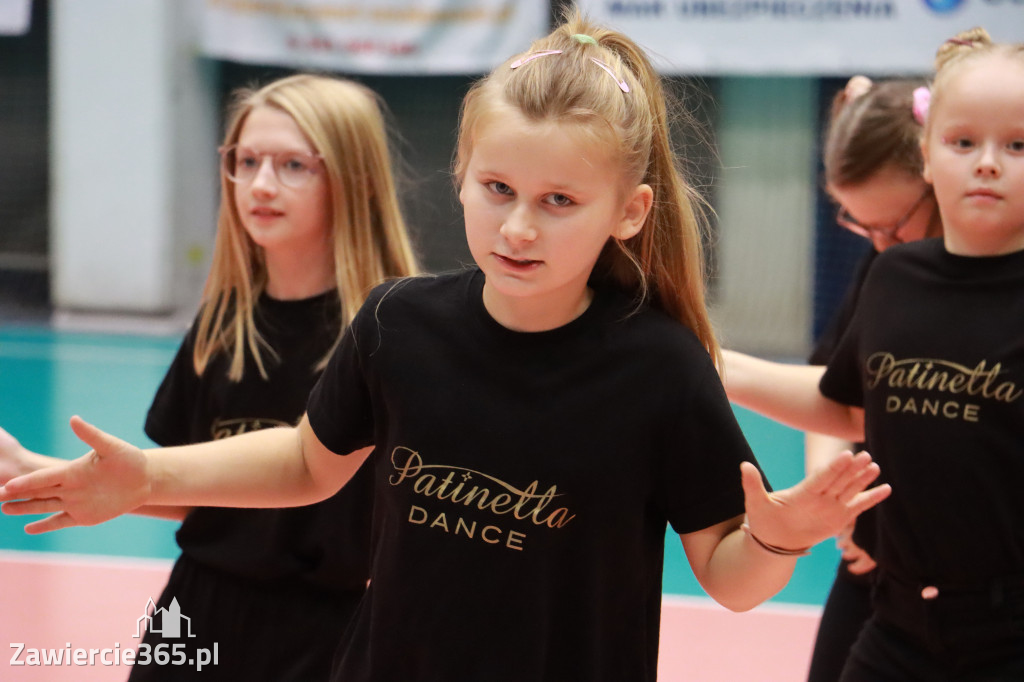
(292, 169)
(844, 218)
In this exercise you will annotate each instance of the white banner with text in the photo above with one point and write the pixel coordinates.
(802, 37)
(379, 37)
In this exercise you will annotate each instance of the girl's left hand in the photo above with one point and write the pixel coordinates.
(16, 459)
(816, 508)
(858, 560)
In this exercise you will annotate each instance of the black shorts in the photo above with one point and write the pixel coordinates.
(922, 632)
(846, 610)
(232, 629)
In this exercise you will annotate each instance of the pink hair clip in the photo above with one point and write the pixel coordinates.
(922, 98)
(530, 57)
(623, 85)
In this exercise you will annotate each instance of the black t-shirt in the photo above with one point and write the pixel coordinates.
(522, 482)
(864, 530)
(935, 355)
(325, 545)
(830, 336)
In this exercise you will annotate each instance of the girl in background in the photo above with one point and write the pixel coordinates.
(932, 369)
(309, 223)
(873, 164)
(531, 424)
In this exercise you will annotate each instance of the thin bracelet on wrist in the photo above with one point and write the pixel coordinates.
(780, 551)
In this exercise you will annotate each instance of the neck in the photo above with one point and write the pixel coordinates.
(526, 314)
(292, 277)
(981, 245)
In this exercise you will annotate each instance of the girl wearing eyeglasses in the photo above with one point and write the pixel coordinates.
(873, 162)
(309, 222)
(872, 159)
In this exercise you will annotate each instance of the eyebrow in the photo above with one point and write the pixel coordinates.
(288, 150)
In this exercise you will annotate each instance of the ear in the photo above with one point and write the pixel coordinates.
(926, 170)
(634, 213)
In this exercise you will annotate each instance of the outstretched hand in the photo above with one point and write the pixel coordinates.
(12, 455)
(818, 507)
(108, 481)
(17, 460)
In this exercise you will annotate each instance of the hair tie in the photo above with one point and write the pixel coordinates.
(961, 41)
(922, 98)
(772, 549)
(584, 39)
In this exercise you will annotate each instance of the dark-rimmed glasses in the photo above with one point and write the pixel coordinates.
(293, 169)
(844, 218)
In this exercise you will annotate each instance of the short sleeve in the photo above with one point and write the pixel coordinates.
(699, 477)
(841, 381)
(168, 421)
(340, 408)
(833, 333)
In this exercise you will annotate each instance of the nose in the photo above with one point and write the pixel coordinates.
(265, 179)
(519, 225)
(988, 162)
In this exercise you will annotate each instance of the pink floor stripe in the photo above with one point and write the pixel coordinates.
(57, 602)
(703, 642)
(51, 601)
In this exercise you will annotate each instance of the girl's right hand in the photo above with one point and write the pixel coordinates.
(108, 481)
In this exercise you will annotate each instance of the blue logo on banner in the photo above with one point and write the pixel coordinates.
(943, 6)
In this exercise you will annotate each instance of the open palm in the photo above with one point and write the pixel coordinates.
(101, 485)
(816, 508)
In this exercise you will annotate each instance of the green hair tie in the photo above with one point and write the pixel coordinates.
(584, 39)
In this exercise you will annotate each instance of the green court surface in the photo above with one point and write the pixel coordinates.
(47, 376)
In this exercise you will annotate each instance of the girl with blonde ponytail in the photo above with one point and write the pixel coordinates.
(533, 423)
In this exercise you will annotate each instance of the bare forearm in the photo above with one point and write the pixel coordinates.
(33, 461)
(740, 574)
(820, 450)
(273, 468)
(166, 512)
(258, 469)
(788, 394)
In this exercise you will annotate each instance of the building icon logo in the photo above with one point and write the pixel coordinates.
(163, 621)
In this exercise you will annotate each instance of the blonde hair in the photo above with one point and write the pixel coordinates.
(664, 263)
(343, 121)
(963, 48)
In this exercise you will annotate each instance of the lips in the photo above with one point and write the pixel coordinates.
(984, 193)
(516, 263)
